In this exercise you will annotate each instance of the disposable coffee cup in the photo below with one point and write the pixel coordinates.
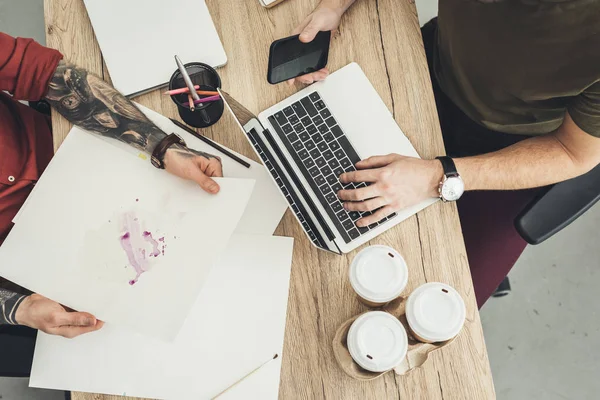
(377, 341)
(435, 312)
(378, 275)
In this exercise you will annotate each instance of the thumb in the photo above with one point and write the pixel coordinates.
(206, 183)
(76, 319)
(310, 31)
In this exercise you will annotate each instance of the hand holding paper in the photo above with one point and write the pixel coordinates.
(48, 316)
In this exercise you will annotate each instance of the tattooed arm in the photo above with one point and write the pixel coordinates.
(91, 103)
(9, 302)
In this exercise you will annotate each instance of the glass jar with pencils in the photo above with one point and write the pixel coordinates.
(208, 107)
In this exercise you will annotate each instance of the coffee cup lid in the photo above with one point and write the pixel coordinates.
(435, 312)
(378, 274)
(377, 341)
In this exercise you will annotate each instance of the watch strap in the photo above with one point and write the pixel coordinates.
(448, 166)
(161, 148)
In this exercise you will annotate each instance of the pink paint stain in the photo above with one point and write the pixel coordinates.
(135, 243)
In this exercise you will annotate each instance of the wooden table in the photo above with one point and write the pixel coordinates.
(383, 36)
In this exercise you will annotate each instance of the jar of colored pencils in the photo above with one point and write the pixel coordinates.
(206, 111)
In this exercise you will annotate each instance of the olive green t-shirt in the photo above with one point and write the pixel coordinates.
(516, 66)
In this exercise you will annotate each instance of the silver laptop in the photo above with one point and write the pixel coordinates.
(309, 139)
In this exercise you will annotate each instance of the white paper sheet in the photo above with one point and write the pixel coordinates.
(139, 38)
(266, 206)
(237, 323)
(67, 245)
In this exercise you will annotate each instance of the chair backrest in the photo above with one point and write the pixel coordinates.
(558, 206)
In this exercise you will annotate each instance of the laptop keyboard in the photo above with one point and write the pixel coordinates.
(322, 152)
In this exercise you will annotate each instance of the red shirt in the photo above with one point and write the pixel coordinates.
(25, 135)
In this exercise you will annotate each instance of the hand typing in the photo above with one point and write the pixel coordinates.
(396, 182)
(50, 317)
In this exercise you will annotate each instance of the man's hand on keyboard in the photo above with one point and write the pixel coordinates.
(395, 182)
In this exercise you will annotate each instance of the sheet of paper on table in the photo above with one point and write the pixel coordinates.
(237, 323)
(99, 219)
(266, 206)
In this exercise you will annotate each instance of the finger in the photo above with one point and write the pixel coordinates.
(206, 183)
(376, 161)
(291, 82)
(215, 168)
(370, 175)
(320, 75)
(367, 205)
(71, 332)
(375, 217)
(310, 31)
(75, 319)
(306, 79)
(358, 194)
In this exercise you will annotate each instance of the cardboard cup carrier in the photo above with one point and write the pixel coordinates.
(404, 332)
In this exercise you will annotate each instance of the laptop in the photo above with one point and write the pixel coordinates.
(309, 139)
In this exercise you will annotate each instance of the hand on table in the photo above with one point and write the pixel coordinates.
(396, 182)
(195, 166)
(50, 317)
(323, 18)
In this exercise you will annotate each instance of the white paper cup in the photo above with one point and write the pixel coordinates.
(435, 312)
(378, 275)
(377, 341)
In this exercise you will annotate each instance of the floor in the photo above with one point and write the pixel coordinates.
(542, 340)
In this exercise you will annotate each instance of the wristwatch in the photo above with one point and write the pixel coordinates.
(452, 186)
(158, 155)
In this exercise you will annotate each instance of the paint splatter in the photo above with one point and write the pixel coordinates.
(135, 244)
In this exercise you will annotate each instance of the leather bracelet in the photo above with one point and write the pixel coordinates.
(158, 155)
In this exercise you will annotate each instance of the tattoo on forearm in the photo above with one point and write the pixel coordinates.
(9, 302)
(88, 101)
(185, 152)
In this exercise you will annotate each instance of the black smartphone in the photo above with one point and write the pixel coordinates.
(289, 57)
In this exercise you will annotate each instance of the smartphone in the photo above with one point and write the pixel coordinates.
(289, 57)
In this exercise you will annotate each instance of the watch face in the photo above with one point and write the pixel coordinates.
(452, 188)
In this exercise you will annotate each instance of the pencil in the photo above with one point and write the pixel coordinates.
(246, 376)
(204, 100)
(186, 90)
(211, 143)
(191, 102)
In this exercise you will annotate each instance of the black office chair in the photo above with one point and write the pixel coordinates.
(558, 206)
(554, 209)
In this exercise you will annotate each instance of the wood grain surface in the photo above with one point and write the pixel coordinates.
(383, 37)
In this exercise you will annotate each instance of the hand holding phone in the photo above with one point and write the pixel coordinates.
(290, 58)
(323, 18)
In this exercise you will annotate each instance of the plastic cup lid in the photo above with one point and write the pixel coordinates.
(378, 274)
(435, 312)
(377, 341)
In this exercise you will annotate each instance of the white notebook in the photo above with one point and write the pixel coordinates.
(139, 39)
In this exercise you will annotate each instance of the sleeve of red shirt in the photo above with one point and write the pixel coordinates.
(26, 67)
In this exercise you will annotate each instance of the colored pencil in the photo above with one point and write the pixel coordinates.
(186, 90)
(191, 102)
(204, 100)
(246, 376)
(211, 143)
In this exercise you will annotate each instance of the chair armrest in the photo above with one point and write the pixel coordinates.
(558, 206)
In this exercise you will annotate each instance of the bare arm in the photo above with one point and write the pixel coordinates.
(539, 161)
(399, 182)
(88, 101)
